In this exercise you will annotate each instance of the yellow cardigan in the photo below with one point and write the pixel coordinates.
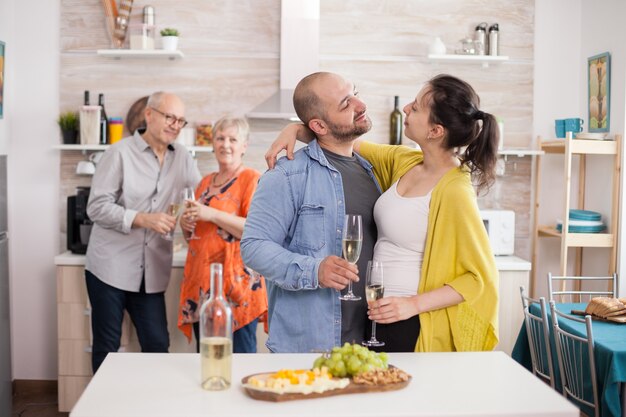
(457, 254)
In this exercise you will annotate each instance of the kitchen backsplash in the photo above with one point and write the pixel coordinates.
(231, 64)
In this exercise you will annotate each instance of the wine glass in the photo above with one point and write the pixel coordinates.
(374, 290)
(188, 198)
(352, 239)
(173, 209)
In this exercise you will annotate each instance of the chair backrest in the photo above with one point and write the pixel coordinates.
(570, 289)
(576, 360)
(538, 331)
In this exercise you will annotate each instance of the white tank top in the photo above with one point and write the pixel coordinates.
(402, 225)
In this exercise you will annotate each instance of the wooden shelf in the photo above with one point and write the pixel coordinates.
(520, 152)
(140, 53)
(201, 149)
(485, 60)
(581, 146)
(574, 240)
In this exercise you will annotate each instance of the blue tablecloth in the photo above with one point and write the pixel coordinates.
(610, 355)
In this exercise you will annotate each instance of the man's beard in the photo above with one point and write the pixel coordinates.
(348, 133)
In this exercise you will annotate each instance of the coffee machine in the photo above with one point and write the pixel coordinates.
(78, 223)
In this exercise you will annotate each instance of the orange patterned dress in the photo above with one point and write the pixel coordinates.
(244, 290)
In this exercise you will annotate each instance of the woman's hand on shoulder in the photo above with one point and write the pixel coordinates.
(286, 140)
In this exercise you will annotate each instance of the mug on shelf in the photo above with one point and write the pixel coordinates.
(85, 168)
(574, 125)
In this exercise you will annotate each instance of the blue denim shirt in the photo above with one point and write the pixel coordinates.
(295, 221)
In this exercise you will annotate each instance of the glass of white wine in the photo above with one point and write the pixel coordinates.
(374, 290)
(188, 198)
(172, 209)
(352, 239)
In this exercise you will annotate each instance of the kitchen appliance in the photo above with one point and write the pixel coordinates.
(5, 330)
(500, 225)
(78, 223)
(299, 56)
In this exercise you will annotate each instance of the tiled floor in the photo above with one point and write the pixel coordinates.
(36, 399)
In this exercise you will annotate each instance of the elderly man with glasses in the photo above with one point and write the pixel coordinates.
(128, 260)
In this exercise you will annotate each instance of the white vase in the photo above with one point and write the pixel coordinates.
(169, 43)
(437, 47)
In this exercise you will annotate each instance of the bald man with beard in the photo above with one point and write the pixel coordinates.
(294, 227)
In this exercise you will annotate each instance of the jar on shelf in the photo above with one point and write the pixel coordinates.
(141, 36)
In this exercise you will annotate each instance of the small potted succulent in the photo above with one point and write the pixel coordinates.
(68, 122)
(169, 38)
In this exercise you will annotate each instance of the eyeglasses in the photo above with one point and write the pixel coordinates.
(171, 120)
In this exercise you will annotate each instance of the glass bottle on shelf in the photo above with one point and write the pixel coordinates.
(395, 124)
(216, 336)
(104, 122)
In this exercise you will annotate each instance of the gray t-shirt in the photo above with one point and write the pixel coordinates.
(360, 194)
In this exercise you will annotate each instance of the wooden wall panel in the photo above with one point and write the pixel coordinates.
(231, 64)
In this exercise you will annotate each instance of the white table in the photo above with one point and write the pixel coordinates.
(444, 384)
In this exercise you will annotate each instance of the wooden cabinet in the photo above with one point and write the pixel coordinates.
(513, 272)
(569, 148)
(74, 331)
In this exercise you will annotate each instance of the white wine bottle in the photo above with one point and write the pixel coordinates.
(395, 124)
(216, 336)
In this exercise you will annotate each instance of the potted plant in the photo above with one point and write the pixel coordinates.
(68, 122)
(169, 37)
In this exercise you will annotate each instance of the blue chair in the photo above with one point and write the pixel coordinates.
(538, 331)
(576, 361)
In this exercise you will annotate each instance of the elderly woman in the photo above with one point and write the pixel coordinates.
(216, 221)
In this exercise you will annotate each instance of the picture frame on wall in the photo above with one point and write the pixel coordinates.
(2, 65)
(599, 92)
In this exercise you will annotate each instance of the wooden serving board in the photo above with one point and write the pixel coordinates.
(614, 319)
(352, 388)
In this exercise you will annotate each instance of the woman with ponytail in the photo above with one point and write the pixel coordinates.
(441, 282)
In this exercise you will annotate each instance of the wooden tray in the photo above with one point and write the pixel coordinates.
(352, 388)
(615, 319)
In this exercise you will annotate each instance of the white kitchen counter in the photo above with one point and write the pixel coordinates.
(503, 263)
(512, 263)
(444, 385)
(69, 258)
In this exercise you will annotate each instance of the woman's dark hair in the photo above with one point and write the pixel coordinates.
(455, 105)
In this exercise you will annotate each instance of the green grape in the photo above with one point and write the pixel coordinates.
(319, 362)
(340, 369)
(336, 356)
(365, 368)
(353, 365)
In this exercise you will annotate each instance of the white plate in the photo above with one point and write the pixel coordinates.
(594, 136)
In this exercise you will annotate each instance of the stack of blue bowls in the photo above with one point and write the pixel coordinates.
(583, 221)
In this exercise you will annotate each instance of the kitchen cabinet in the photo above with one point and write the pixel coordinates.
(513, 272)
(74, 329)
(570, 147)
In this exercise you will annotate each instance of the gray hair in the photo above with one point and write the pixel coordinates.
(156, 99)
(243, 128)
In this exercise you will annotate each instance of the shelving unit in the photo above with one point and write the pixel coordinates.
(140, 53)
(485, 60)
(568, 148)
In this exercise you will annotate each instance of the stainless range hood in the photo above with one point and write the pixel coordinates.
(299, 56)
